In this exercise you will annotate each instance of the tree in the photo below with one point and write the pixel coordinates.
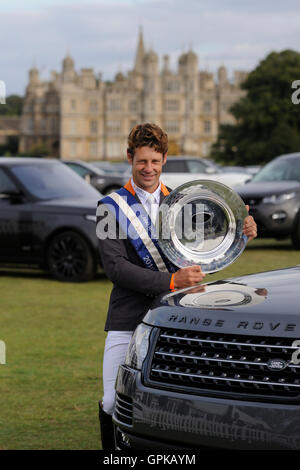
(39, 150)
(268, 123)
(10, 147)
(13, 106)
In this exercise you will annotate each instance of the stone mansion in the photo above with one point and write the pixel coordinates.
(77, 115)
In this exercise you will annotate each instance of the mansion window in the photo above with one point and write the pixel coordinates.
(93, 126)
(73, 105)
(53, 125)
(191, 85)
(172, 85)
(226, 107)
(113, 127)
(172, 127)
(73, 149)
(73, 127)
(149, 85)
(132, 124)
(93, 105)
(43, 125)
(88, 82)
(205, 149)
(29, 124)
(114, 149)
(207, 127)
(114, 105)
(150, 105)
(132, 106)
(93, 149)
(172, 105)
(207, 107)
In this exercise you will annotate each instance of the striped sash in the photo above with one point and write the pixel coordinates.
(138, 227)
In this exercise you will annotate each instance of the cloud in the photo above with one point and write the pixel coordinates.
(103, 35)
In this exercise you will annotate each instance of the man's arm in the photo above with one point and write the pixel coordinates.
(121, 271)
(116, 262)
(126, 274)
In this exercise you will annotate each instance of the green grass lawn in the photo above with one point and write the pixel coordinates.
(50, 385)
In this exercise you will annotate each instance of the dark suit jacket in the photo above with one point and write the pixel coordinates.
(134, 286)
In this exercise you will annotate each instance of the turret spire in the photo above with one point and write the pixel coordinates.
(138, 66)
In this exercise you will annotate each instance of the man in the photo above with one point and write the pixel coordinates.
(134, 283)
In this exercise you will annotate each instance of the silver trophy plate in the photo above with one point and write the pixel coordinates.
(201, 223)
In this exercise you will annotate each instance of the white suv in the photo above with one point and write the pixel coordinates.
(180, 170)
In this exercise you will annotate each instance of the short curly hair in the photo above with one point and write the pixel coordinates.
(147, 135)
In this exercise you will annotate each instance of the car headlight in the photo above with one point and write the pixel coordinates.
(138, 347)
(276, 198)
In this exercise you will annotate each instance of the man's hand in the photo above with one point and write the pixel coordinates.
(250, 227)
(187, 277)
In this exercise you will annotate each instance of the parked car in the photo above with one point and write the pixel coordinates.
(181, 169)
(47, 218)
(103, 181)
(273, 196)
(215, 366)
(115, 168)
(123, 167)
(107, 167)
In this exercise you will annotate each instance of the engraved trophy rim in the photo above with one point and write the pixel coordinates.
(222, 237)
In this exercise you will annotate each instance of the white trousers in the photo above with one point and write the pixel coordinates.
(116, 346)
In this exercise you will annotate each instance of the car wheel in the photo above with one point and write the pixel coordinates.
(295, 236)
(69, 258)
(111, 189)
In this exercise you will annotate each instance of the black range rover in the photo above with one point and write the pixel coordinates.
(47, 218)
(215, 366)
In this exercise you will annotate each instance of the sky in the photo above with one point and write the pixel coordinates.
(103, 34)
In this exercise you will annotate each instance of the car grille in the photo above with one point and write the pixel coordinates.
(124, 409)
(215, 364)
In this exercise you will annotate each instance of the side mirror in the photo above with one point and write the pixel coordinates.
(12, 195)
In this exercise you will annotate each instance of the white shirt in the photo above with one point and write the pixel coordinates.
(149, 200)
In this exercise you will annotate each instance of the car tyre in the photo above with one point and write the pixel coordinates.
(69, 258)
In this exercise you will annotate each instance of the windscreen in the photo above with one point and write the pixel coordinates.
(53, 181)
(280, 170)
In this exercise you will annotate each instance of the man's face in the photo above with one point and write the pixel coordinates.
(146, 167)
